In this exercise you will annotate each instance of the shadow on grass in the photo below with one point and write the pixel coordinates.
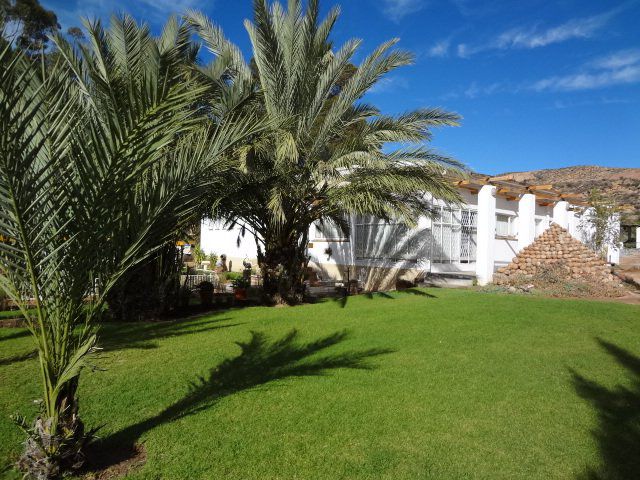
(18, 358)
(260, 361)
(618, 408)
(138, 335)
(343, 300)
(14, 335)
(143, 335)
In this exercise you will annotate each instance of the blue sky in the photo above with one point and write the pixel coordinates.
(540, 84)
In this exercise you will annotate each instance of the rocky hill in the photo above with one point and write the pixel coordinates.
(621, 183)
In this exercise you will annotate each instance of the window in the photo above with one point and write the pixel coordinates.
(454, 235)
(505, 225)
(380, 240)
(328, 230)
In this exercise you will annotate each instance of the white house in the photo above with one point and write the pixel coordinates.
(497, 219)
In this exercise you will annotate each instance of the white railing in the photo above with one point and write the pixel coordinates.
(192, 281)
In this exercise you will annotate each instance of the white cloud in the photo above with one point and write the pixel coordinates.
(589, 80)
(620, 59)
(388, 84)
(618, 68)
(535, 37)
(462, 50)
(151, 11)
(398, 9)
(564, 104)
(531, 38)
(474, 90)
(439, 49)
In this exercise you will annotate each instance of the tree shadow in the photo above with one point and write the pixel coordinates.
(18, 358)
(618, 408)
(382, 257)
(343, 300)
(144, 335)
(418, 292)
(260, 362)
(372, 295)
(19, 334)
(138, 335)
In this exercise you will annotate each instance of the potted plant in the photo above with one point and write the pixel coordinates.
(240, 286)
(206, 293)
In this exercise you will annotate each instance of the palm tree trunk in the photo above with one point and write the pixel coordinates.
(57, 438)
(283, 264)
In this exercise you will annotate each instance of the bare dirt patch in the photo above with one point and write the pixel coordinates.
(115, 463)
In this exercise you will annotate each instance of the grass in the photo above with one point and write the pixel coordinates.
(438, 384)
(9, 314)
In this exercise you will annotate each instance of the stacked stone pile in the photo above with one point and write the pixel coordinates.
(556, 249)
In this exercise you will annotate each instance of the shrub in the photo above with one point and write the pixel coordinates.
(553, 281)
(230, 276)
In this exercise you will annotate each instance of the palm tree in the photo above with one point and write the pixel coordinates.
(103, 155)
(328, 159)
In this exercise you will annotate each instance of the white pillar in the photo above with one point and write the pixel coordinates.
(613, 254)
(561, 214)
(526, 220)
(424, 259)
(637, 237)
(485, 252)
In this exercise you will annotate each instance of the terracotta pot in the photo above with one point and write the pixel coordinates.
(240, 293)
(206, 297)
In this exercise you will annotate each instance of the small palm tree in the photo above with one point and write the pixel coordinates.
(104, 154)
(328, 158)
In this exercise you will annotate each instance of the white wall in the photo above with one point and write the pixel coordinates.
(505, 251)
(216, 238)
(544, 217)
(501, 251)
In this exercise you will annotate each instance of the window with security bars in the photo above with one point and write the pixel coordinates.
(328, 230)
(380, 240)
(454, 235)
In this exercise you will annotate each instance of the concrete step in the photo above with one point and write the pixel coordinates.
(449, 280)
(630, 258)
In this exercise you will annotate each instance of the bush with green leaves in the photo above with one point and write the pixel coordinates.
(332, 154)
(103, 157)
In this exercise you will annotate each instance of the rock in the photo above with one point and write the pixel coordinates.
(557, 250)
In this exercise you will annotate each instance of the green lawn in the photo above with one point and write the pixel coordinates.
(445, 384)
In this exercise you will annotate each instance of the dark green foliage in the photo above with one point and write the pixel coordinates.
(102, 161)
(324, 158)
(34, 22)
(618, 410)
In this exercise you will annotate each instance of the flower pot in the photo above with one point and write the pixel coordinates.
(206, 297)
(240, 293)
(206, 293)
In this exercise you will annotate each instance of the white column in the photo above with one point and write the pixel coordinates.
(637, 237)
(526, 220)
(561, 214)
(424, 260)
(613, 254)
(485, 253)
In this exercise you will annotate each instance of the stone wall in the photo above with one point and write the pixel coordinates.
(557, 249)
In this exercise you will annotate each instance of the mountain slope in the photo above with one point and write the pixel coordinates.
(623, 184)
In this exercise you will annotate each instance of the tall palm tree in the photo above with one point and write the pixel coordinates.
(328, 159)
(103, 155)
